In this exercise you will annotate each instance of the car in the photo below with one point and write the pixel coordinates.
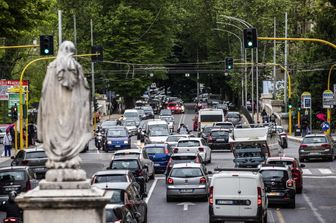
(249, 155)
(317, 146)
(109, 123)
(233, 117)
(219, 139)
(182, 158)
(117, 138)
(296, 168)
(16, 178)
(187, 180)
(237, 194)
(157, 135)
(131, 114)
(175, 107)
(118, 213)
(279, 184)
(165, 112)
(159, 154)
(170, 121)
(148, 112)
(224, 125)
(126, 194)
(133, 164)
(143, 156)
(194, 145)
(173, 139)
(110, 176)
(131, 127)
(142, 114)
(206, 132)
(34, 158)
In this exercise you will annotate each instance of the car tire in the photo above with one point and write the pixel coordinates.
(212, 220)
(292, 203)
(169, 199)
(299, 190)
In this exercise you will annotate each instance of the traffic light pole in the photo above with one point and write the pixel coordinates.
(328, 109)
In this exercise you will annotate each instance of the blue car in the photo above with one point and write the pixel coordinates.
(159, 154)
(117, 138)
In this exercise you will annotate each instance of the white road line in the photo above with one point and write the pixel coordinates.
(315, 212)
(306, 172)
(325, 171)
(151, 191)
(319, 177)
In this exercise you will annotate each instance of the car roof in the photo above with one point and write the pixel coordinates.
(128, 150)
(317, 135)
(14, 168)
(36, 149)
(190, 139)
(181, 165)
(275, 167)
(113, 185)
(126, 157)
(130, 110)
(277, 158)
(111, 172)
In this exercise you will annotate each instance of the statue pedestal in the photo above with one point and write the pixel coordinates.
(65, 202)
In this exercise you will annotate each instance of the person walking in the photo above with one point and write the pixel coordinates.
(7, 141)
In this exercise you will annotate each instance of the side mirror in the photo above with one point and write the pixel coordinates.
(302, 165)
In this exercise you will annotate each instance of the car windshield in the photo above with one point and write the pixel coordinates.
(189, 143)
(131, 114)
(110, 178)
(220, 134)
(281, 162)
(159, 132)
(129, 123)
(315, 139)
(174, 138)
(117, 133)
(232, 115)
(36, 155)
(270, 174)
(165, 112)
(12, 176)
(186, 172)
(124, 164)
(154, 150)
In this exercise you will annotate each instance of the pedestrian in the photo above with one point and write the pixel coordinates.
(7, 141)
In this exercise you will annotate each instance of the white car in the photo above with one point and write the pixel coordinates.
(237, 194)
(194, 145)
(173, 139)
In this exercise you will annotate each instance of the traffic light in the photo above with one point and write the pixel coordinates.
(46, 45)
(250, 38)
(14, 113)
(290, 103)
(229, 63)
(299, 104)
(98, 50)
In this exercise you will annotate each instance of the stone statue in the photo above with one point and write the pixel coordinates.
(64, 115)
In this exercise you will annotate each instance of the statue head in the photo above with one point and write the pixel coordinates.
(67, 48)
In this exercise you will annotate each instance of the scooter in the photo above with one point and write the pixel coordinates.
(283, 140)
(99, 141)
(12, 220)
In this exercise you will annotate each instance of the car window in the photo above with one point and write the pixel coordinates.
(233, 115)
(12, 176)
(274, 174)
(131, 114)
(220, 134)
(116, 133)
(36, 155)
(186, 172)
(110, 178)
(189, 143)
(124, 164)
(315, 139)
(117, 196)
(281, 162)
(111, 215)
(155, 150)
(158, 132)
(248, 154)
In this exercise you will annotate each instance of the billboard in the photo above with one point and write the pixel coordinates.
(7, 84)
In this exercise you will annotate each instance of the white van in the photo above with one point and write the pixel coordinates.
(157, 131)
(209, 116)
(237, 195)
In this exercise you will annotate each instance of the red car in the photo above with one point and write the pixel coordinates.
(296, 168)
(175, 108)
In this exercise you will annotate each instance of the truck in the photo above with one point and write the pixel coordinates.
(209, 116)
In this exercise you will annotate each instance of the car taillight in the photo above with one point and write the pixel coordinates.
(327, 146)
(209, 138)
(166, 151)
(203, 180)
(303, 145)
(259, 201)
(211, 196)
(201, 149)
(170, 181)
(175, 150)
(10, 220)
(28, 185)
(25, 162)
(290, 183)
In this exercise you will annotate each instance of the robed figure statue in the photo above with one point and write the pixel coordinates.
(64, 110)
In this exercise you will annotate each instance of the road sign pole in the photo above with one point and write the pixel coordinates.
(298, 119)
(328, 120)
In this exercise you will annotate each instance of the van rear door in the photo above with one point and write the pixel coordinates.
(225, 192)
(249, 196)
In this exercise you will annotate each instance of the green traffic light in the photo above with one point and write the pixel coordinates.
(250, 43)
(229, 67)
(289, 106)
(46, 51)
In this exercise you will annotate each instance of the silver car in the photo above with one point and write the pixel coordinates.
(187, 180)
(173, 139)
(131, 127)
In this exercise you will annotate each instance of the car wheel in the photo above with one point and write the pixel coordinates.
(169, 199)
(299, 190)
(211, 220)
(292, 203)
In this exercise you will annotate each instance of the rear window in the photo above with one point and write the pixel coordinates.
(211, 118)
(125, 164)
(159, 132)
(188, 143)
(12, 176)
(166, 112)
(131, 114)
(315, 139)
(171, 104)
(116, 133)
(186, 172)
(220, 134)
(155, 150)
(274, 174)
(248, 154)
(117, 196)
(110, 178)
(36, 155)
(281, 162)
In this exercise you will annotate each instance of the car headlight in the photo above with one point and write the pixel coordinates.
(301, 150)
(126, 142)
(109, 142)
(326, 150)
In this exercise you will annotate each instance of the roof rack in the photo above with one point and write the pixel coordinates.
(237, 169)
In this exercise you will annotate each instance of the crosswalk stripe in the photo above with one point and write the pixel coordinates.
(325, 171)
(307, 172)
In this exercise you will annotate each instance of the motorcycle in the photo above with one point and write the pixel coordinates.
(99, 141)
(283, 140)
(12, 220)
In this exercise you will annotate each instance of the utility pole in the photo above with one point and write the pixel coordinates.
(257, 84)
(198, 84)
(252, 88)
(59, 27)
(285, 62)
(92, 70)
(274, 60)
(75, 30)
(245, 78)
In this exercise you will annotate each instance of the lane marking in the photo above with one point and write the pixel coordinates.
(306, 171)
(280, 216)
(319, 177)
(185, 205)
(270, 216)
(311, 206)
(151, 191)
(325, 171)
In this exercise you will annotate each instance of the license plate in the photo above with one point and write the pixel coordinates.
(224, 202)
(7, 189)
(156, 164)
(186, 190)
(220, 140)
(273, 194)
(315, 153)
(117, 146)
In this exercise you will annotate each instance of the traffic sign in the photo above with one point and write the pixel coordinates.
(305, 100)
(328, 99)
(325, 126)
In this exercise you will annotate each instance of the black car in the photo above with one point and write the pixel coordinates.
(133, 164)
(206, 132)
(219, 139)
(16, 178)
(279, 184)
(148, 112)
(126, 194)
(34, 158)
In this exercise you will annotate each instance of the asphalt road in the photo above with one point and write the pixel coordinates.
(317, 203)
